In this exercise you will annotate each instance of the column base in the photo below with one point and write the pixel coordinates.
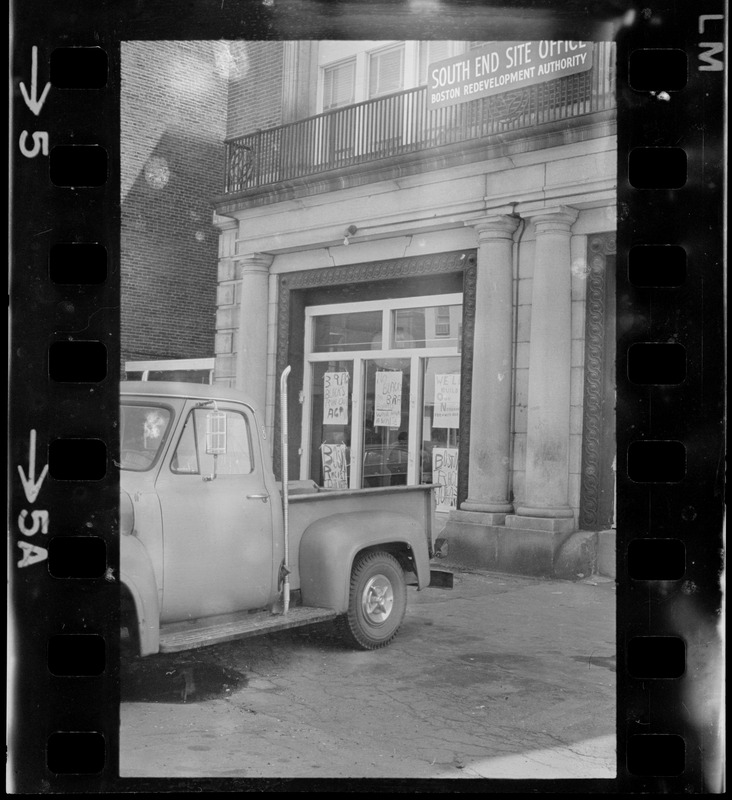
(476, 506)
(535, 551)
(478, 517)
(544, 511)
(552, 524)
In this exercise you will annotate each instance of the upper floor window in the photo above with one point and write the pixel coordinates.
(431, 52)
(339, 84)
(356, 71)
(386, 71)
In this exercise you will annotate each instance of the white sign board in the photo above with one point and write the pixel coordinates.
(447, 401)
(445, 473)
(335, 398)
(335, 466)
(501, 67)
(388, 399)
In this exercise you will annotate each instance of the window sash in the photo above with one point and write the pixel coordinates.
(339, 85)
(430, 53)
(386, 72)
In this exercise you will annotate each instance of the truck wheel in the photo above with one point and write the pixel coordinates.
(377, 601)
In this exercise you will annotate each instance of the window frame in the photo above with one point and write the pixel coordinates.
(335, 65)
(145, 403)
(199, 437)
(382, 51)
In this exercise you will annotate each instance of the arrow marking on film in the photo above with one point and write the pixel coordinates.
(33, 101)
(31, 486)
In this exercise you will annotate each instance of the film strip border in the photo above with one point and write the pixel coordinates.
(670, 380)
(64, 564)
(669, 391)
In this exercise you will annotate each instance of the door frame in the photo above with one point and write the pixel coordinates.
(433, 273)
(598, 484)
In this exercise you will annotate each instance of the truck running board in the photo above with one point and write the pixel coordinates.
(188, 635)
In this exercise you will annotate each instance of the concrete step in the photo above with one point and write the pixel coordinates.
(191, 634)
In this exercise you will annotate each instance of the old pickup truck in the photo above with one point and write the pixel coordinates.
(213, 548)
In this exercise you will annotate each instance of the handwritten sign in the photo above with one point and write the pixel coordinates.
(445, 473)
(388, 399)
(335, 398)
(447, 401)
(335, 466)
(501, 67)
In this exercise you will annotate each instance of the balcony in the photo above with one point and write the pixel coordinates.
(401, 123)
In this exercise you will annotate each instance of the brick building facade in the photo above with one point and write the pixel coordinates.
(173, 121)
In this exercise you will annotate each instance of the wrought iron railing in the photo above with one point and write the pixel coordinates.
(402, 123)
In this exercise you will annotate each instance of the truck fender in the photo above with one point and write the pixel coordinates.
(330, 545)
(138, 578)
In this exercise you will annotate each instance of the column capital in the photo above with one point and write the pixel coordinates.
(559, 218)
(499, 226)
(254, 262)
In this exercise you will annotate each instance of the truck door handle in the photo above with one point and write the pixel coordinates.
(262, 497)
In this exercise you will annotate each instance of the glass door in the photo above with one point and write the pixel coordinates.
(386, 404)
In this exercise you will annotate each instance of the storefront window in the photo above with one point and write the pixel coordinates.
(441, 427)
(388, 414)
(434, 326)
(330, 448)
(338, 332)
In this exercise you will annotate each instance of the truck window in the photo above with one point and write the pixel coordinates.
(143, 430)
(190, 457)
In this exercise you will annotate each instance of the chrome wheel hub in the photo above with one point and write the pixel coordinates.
(377, 599)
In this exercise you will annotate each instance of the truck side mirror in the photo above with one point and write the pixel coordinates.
(216, 438)
(216, 433)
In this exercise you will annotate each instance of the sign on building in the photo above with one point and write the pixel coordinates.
(388, 399)
(501, 67)
(447, 401)
(445, 475)
(335, 466)
(335, 398)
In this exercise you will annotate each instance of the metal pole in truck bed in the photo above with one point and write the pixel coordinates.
(285, 496)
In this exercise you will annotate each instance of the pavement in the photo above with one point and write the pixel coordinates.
(502, 676)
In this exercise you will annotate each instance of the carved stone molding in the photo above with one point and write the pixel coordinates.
(598, 360)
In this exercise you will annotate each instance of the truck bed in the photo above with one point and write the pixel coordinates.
(309, 504)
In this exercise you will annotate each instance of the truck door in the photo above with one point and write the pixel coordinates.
(217, 517)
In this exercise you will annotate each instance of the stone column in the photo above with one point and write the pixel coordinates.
(251, 355)
(490, 406)
(547, 442)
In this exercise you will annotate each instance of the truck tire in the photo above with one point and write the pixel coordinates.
(377, 603)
